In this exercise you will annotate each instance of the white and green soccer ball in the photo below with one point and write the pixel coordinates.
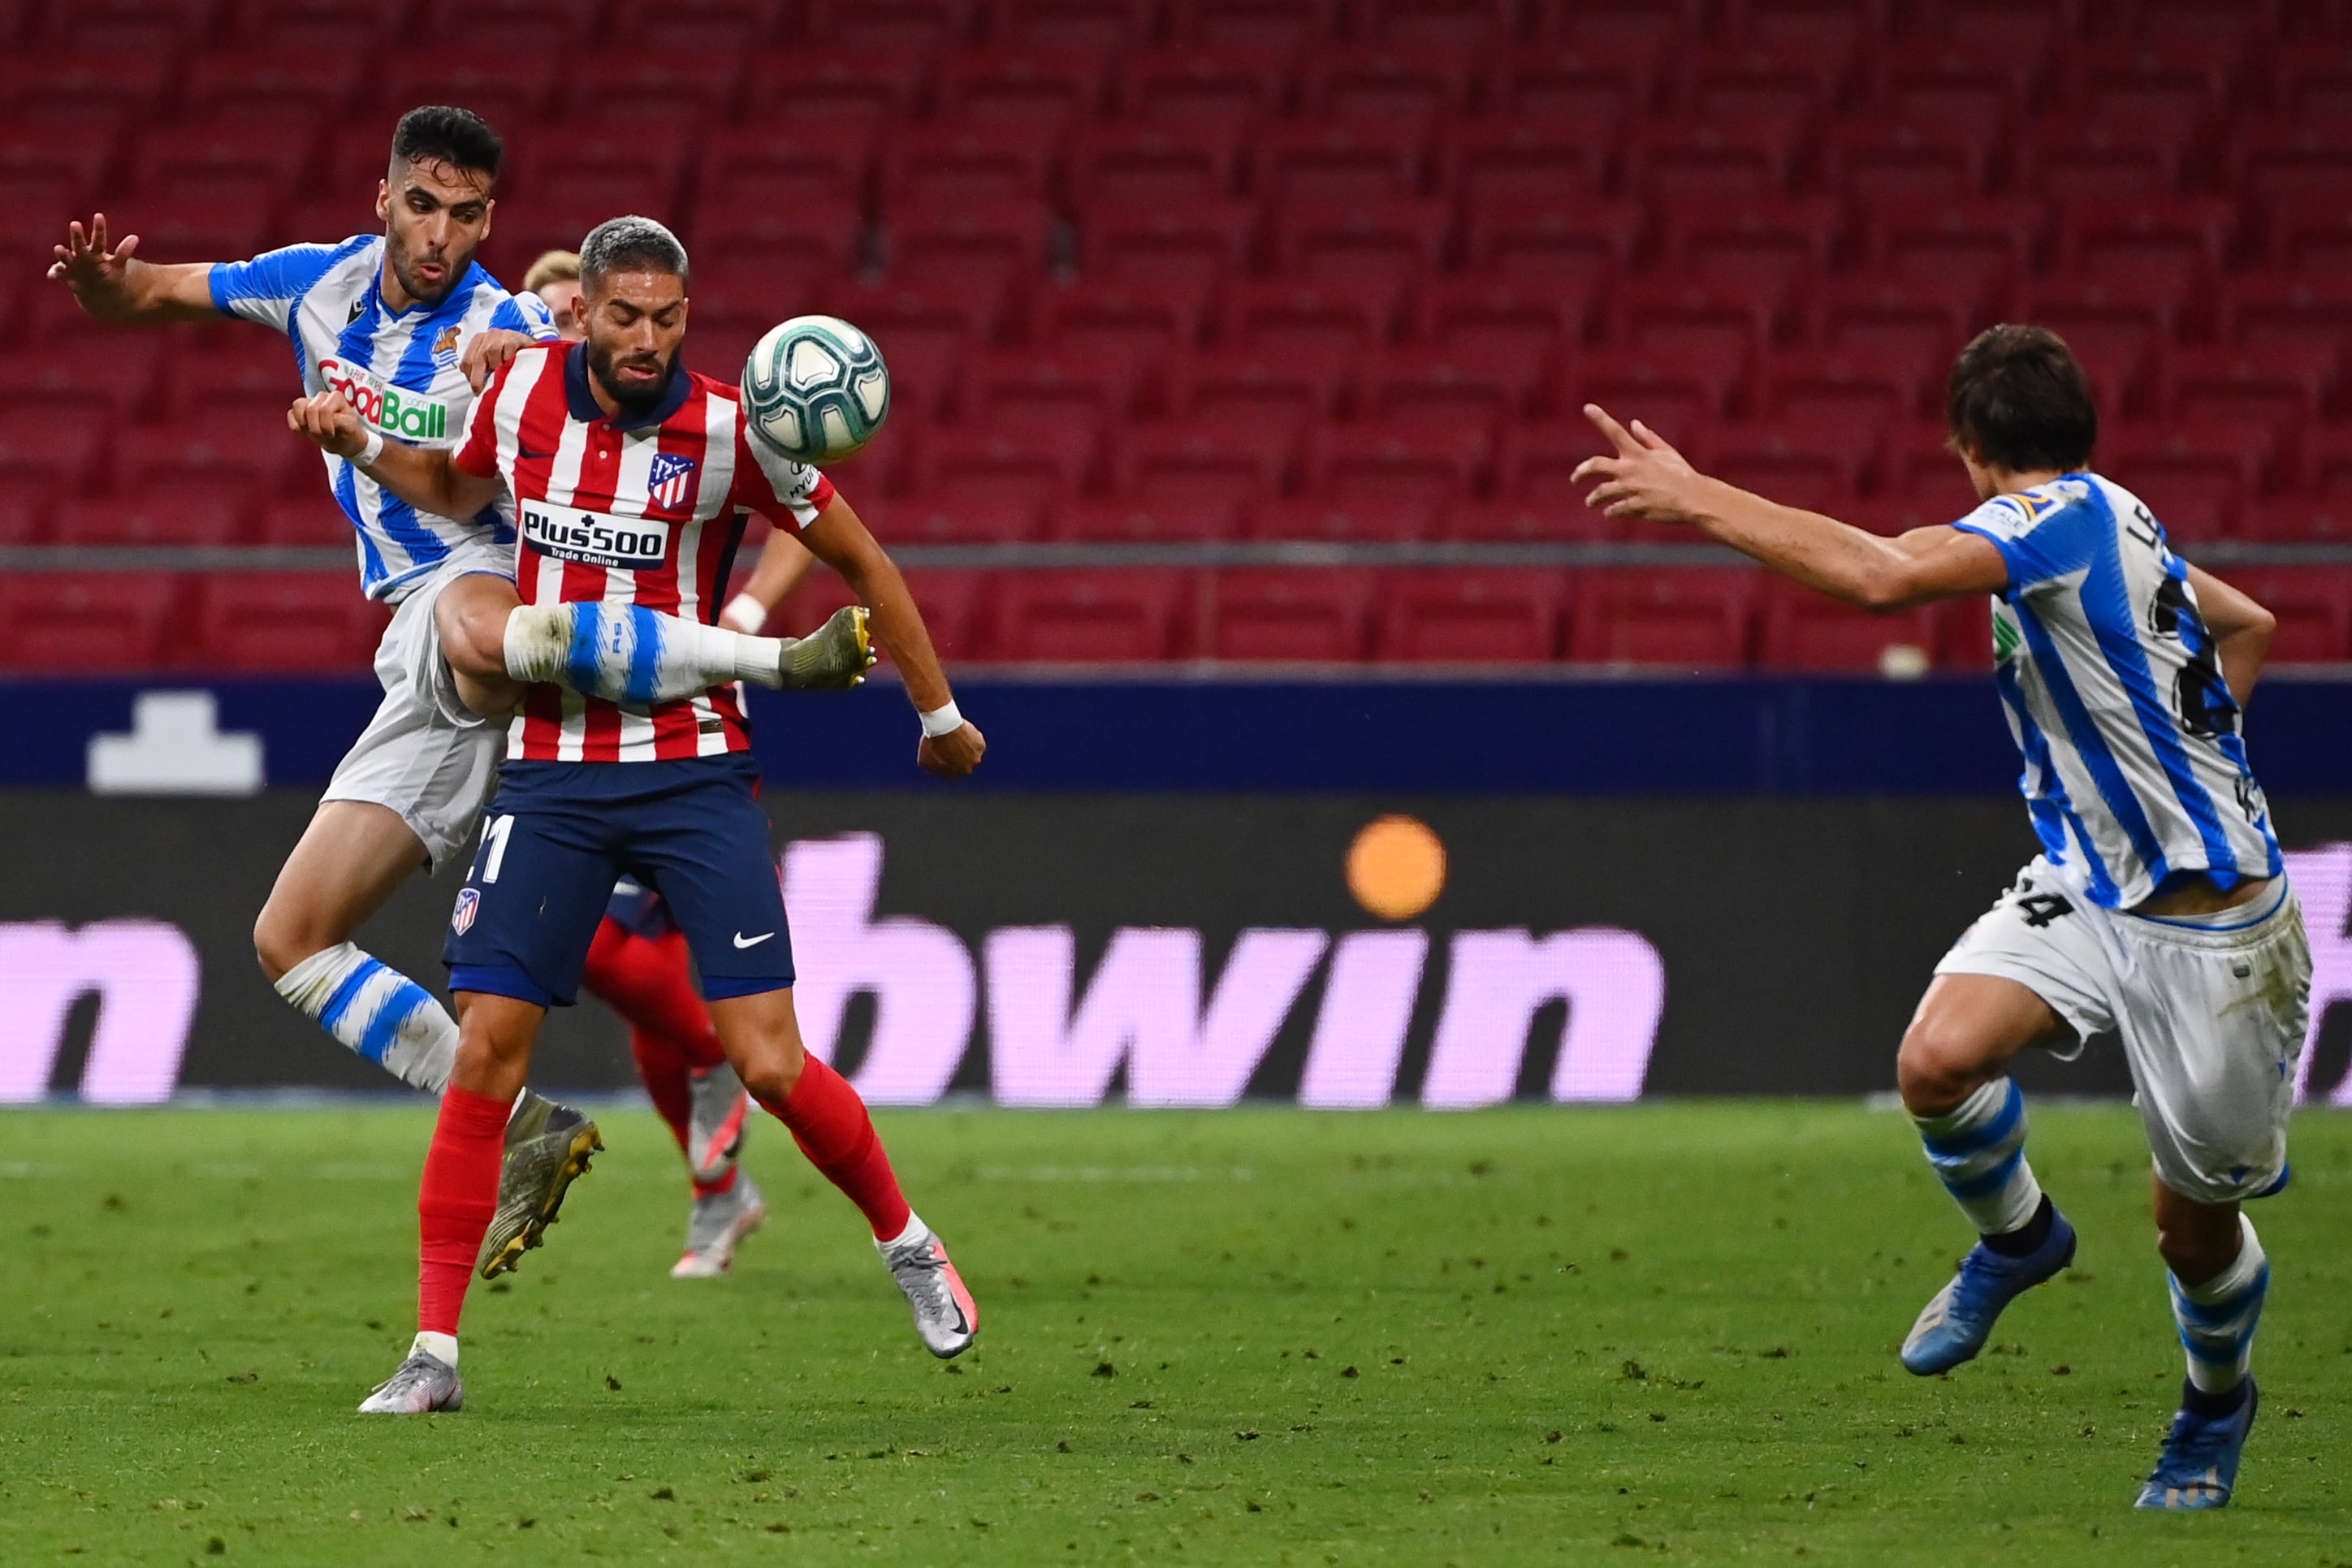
(816, 389)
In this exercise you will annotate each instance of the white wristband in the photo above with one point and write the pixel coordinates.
(942, 721)
(744, 612)
(372, 450)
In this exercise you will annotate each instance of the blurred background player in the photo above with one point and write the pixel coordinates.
(2159, 908)
(638, 963)
(665, 792)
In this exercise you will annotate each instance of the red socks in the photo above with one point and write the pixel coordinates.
(648, 983)
(828, 1121)
(455, 1203)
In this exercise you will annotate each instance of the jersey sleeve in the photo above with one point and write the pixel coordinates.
(478, 445)
(266, 288)
(777, 488)
(2044, 535)
(525, 313)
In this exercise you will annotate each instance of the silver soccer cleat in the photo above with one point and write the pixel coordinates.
(718, 1226)
(945, 1314)
(833, 658)
(714, 1121)
(424, 1384)
(547, 1147)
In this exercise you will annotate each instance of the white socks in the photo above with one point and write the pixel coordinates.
(915, 1228)
(1979, 1153)
(377, 1011)
(624, 653)
(2217, 1318)
(441, 1347)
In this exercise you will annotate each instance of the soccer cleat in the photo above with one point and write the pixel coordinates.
(424, 1384)
(548, 1146)
(833, 658)
(2199, 1465)
(719, 1224)
(945, 1315)
(716, 1108)
(1954, 1324)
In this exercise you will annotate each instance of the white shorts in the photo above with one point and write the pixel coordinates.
(424, 755)
(2212, 1010)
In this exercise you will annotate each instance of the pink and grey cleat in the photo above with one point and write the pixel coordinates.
(424, 1384)
(716, 1109)
(720, 1223)
(945, 1314)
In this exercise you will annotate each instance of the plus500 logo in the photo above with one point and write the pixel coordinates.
(389, 409)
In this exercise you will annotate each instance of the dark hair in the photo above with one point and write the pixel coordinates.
(2018, 398)
(440, 133)
(629, 244)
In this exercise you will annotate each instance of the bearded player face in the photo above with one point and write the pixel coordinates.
(635, 321)
(435, 215)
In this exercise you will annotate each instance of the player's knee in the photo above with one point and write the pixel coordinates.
(473, 635)
(771, 1072)
(281, 939)
(1936, 1067)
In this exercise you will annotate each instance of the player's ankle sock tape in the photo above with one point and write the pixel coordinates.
(627, 654)
(2219, 1317)
(2027, 1238)
(455, 1202)
(1979, 1152)
(830, 1124)
(2212, 1407)
(377, 1011)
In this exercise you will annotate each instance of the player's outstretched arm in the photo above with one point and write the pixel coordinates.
(1645, 478)
(838, 537)
(424, 477)
(2241, 631)
(113, 285)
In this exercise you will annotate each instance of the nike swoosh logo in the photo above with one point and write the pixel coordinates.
(743, 941)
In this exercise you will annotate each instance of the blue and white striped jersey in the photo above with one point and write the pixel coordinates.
(399, 369)
(2134, 769)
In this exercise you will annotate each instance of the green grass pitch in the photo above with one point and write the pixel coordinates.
(1656, 1333)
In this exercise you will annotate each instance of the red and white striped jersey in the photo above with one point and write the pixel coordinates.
(646, 510)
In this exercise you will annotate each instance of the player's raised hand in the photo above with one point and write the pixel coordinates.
(488, 351)
(953, 754)
(328, 421)
(1642, 477)
(98, 273)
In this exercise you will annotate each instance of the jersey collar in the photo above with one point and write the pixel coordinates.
(588, 410)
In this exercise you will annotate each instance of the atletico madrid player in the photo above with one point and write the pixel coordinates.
(630, 479)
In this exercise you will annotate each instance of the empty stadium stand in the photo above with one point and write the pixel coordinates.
(1186, 274)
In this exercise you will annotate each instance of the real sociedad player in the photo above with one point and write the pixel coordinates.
(391, 319)
(2159, 908)
(632, 478)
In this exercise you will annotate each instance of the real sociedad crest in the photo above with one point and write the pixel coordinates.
(671, 479)
(461, 919)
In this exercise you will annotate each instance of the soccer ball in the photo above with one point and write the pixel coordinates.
(816, 389)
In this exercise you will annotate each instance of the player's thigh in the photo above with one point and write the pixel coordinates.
(523, 923)
(347, 863)
(1964, 1033)
(2213, 1033)
(469, 619)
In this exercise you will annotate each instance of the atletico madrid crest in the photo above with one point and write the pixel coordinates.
(461, 919)
(671, 480)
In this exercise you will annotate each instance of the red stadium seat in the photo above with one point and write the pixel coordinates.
(1138, 522)
(2285, 307)
(1907, 320)
(155, 516)
(1379, 463)
(310, 519)
(1104, 26)
(1265, 25)
(1210, 460)
(507, 89)
(1366, 518)
(1042, 456)
(126, 25)
(2068, 160)
(1866, 161)
(727, 28)
(586, 160)
(228, 154)
(1537, 456)
(1655, 26)
(1278, 314)
(1696, 617)
(954, 605)
(1115, 316)
(1677, 161)
(2114, 323)
(1295, 383)
(2183, 239)
(1414, 84)
(1511, 522)
(904, 28)
(1726, 316)
(1484, 617)
(71, 88)
(1122, 163)
(1521, 158)
(2317, 516)
(1677, 388)
(1819, 462)
(988, 500)
(1933, 82)
(2314, 607)
(1981, 247)
(202, 225)
(1869, 391)
(964, 167)
(1757, 81)
(290, 86)
(1439, 384)
(1780, 244)
(1397, 240)
(2284, 385)
(1181, 248)
(26, 506)
(1187, 85)
(2311, 88)
(1089, 617)
(778, 167)
(1811, 633)
(87, 623)
(1824, 25)
(1049, 89)
(1515, 325)
(295, 622)
(749, 251)
(1601, 89)
(245, 449)
(1275, 615)
(2197, 483)
(58, 448)
(126, 380)
(1005, 241)
(1570, 244)
(870, 87)
(1332, 161)
(1081, 383)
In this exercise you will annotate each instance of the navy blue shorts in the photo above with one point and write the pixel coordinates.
(638, 910)
(560, 834)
